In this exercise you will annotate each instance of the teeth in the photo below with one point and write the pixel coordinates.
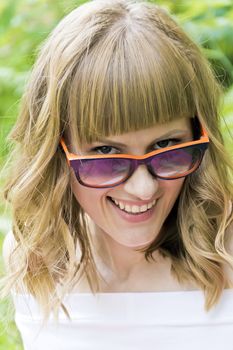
(149, 205)
(128, 208)
(143, 208)
(135, 208)
(121, 205)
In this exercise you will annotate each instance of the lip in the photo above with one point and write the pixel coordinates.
(134, 218)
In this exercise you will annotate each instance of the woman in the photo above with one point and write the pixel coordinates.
(121, 189)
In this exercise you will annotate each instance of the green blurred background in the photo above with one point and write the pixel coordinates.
(23, 26)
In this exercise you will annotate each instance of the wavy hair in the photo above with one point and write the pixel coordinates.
(111, 67)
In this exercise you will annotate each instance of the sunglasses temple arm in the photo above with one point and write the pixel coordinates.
(204, 132)
(65, 149)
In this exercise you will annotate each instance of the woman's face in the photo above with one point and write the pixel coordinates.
(113, 209)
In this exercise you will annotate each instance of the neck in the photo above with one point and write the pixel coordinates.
(114, 260)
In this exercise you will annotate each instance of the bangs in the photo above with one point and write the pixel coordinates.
(131, 79)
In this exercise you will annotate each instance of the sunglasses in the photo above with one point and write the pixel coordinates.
(170, 163)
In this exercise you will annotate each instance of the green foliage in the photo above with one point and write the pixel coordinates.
(227, 123)
(24, 24)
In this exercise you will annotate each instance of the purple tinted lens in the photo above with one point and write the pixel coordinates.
(103, 172)
(176, 162)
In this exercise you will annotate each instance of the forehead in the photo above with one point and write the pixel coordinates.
(178, 126)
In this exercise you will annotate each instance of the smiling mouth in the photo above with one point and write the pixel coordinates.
(134, 209)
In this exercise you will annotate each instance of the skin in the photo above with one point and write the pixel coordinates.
(115, 239)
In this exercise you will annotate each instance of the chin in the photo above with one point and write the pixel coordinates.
(137, 245)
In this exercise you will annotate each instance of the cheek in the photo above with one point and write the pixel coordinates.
(88, 198)
(171, 189)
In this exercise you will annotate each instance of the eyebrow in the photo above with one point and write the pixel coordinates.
(171, 133)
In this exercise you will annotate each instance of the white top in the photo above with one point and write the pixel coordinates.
(130, 321)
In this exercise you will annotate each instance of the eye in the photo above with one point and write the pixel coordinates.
(105, 150)
(167, 143)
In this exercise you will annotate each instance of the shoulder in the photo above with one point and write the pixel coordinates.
(9, 245)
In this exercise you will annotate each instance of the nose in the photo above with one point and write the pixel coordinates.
(141, 184)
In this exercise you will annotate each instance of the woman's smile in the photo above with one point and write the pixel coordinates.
(133, 213)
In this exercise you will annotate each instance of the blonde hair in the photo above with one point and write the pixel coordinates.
(111, 67)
